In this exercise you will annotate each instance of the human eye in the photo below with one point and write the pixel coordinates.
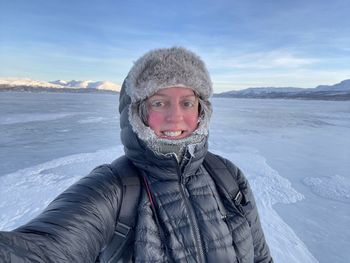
(189, 103)
(157, 104)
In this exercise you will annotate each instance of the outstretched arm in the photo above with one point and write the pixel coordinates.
(73, 228)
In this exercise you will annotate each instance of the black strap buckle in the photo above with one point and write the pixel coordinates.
(238, 198)
(122, 230)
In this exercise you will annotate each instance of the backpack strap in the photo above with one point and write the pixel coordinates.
(125, 223)
(223, 178)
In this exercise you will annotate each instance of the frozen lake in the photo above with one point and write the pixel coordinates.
(296, 155)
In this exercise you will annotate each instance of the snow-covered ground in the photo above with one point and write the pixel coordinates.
(294, 153)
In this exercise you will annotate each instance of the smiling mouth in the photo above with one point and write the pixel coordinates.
(172, 134)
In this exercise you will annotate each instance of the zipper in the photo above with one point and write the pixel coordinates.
(192, 217)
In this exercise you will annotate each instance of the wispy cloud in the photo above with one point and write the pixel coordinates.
(258, 60)
(289, 60)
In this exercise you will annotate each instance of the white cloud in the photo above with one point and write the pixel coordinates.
(258, 60)
(289, 60)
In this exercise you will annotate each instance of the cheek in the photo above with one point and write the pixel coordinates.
(192, 121)
(155, 120)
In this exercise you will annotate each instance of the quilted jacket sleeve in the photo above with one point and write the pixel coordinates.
(73, 228)
(261, 249)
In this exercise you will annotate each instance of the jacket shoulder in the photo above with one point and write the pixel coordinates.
(261, 250)
(218, 162)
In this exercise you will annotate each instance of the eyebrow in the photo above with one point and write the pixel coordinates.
(164, 95)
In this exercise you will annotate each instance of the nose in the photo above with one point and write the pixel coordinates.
(175, 113)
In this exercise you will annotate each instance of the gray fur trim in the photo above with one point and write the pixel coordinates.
(168, 67)
(161, 145)
(164, 68)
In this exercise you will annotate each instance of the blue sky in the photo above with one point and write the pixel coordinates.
(247, 43)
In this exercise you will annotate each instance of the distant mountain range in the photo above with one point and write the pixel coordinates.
(339, 91)
(24, 84)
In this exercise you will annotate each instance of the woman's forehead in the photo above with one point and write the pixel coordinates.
(175, 91)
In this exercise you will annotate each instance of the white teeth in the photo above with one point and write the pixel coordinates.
(172, 133)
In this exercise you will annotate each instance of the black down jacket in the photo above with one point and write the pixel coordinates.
(80, 221)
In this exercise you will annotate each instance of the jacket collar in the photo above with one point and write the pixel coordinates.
(163, 166)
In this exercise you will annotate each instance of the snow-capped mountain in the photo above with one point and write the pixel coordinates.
(88, 84)
(339, 91)
(264, 90)
(13, 82)
(341, 86)
(59, 84)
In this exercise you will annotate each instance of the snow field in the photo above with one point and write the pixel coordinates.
(26, 192)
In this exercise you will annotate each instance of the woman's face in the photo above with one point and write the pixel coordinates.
(173, 112)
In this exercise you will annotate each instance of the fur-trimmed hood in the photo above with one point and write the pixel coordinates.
(158, 69)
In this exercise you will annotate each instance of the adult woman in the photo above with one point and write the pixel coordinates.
(181, 217)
